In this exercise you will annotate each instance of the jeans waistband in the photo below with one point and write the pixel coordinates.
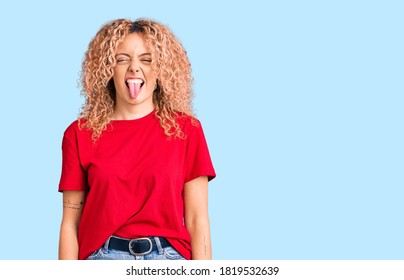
(137, 246)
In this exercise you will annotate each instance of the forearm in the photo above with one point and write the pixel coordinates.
(73, 203)
(200, 240)
(68, 242)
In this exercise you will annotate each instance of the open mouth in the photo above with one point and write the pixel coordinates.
(134, 86)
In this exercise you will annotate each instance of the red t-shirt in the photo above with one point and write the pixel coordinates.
(134, 176)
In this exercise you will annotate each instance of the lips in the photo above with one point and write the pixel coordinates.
(134, 85)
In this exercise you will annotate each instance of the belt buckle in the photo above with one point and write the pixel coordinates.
(140, 254)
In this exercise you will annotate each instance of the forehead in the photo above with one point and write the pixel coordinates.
(133, 43)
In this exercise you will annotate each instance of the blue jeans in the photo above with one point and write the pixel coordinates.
(167, 253)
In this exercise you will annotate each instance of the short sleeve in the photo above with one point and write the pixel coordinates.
(198, 161)
(73, 176)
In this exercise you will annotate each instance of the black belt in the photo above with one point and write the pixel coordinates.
(138, 246)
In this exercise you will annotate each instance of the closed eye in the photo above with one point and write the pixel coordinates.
(122, 60)
(145, 58)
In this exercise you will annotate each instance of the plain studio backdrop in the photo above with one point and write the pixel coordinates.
(301, 103)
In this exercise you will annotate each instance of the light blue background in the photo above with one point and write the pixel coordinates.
(301, 103)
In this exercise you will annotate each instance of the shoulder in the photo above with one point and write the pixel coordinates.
(75, 129)
(190, 126)
(72, 128)
(187, 120)
(187, 123)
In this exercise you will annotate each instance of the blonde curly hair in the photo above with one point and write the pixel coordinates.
(173, 94)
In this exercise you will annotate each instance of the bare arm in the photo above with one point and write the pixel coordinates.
(197, 217)
(73, 203)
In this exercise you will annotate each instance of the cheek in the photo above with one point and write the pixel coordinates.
(151, 78)
(118, 77)
(151, 85)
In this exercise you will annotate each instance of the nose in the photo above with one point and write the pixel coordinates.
(133, 67)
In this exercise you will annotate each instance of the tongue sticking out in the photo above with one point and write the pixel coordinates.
(134, 89)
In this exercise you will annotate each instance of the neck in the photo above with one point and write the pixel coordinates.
(132, 113)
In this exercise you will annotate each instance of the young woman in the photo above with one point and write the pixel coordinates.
(136, 164)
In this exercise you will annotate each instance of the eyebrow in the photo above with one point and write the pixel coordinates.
(144, 54)
(125, 54)
(122, 54)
